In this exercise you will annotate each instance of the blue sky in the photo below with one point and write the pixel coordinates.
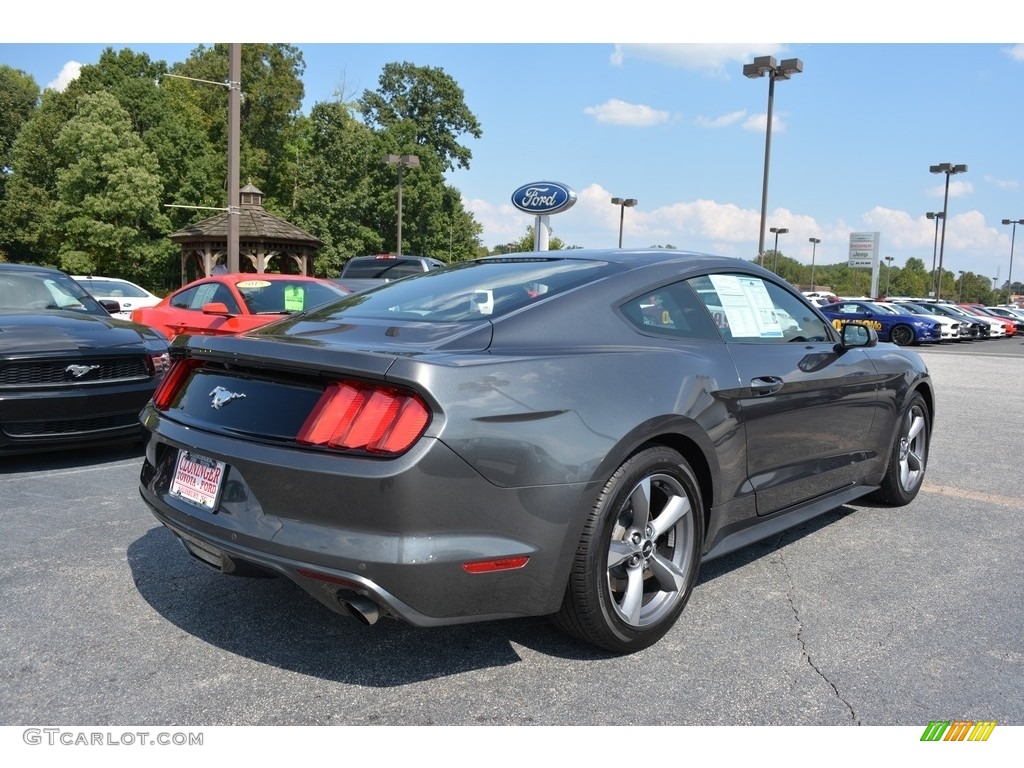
(677, 125)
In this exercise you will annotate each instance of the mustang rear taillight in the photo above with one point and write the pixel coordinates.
(364, 417)
(172, 382)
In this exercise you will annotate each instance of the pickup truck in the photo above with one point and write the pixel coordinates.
(363, 272)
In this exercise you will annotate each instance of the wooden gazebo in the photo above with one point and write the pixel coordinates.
(265, 242)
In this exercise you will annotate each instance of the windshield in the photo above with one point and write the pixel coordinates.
(285, 297)
(45, 291)
(470, 291)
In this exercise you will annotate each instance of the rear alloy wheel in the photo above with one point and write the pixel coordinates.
(902, 335)
(905, 473)
(639, 554)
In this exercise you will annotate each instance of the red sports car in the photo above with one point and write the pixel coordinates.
(227, 304)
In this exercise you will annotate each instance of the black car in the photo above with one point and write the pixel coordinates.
(561, 433)
(70, 374)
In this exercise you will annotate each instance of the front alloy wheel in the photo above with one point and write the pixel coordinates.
(639, 555)
(902, 335)
(905, 473)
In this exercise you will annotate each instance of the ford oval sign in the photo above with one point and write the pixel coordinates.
(543, 197)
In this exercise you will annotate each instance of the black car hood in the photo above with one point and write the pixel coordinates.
(56, 331)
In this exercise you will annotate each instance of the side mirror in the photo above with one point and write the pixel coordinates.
(110, 305)
(857, 335)
(216, 308)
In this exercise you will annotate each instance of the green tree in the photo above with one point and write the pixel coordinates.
(525, 243)
(27, 218)
(19, 95)
(166, 114)
(109, 194)
(337, 194)
(424, 107)
(272, 93)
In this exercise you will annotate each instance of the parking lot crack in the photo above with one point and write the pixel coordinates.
(804, 650)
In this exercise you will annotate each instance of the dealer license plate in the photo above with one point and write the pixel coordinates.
(198, 479)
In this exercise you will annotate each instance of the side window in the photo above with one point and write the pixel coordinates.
(194, 298)
(746, 308)
(670, 311)
(183, 300)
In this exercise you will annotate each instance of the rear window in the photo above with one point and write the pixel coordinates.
(113, 288)
(382, 268)
(485, 289)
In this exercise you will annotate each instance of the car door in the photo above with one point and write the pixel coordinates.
(808, 406)
(189, 317)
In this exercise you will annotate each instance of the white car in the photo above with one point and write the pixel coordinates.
(127, 294)
(950, 328)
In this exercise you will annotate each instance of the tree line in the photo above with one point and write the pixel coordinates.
(912, 279)
(87, 174)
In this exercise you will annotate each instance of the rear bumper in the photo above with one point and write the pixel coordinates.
(397, 532)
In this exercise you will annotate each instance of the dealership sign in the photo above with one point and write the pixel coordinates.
(863, 250)
(543, 197)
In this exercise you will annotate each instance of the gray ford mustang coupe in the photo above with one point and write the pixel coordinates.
(565, 433)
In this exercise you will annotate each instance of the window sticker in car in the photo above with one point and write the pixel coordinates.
(749, 310)
(294, 298)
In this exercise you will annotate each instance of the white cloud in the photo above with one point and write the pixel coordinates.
(68, 72)
(1015, 52)
(617, 112)
(713, 59)
(757, 123)
(501, 223)
(956, 189)
(1003, 183)
(723, 121)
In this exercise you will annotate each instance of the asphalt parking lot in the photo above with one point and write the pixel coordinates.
(866, 615)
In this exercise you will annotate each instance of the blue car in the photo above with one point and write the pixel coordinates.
(903, 330)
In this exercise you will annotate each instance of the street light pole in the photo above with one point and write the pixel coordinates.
(960, 296)
(888, 274)
(775, 261)
(761, 66)
(938, 216)
(1013, 236)
(403, 162)
(814, 247)
(623, 203)
(949, 169)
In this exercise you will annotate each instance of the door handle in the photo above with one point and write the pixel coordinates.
(766, 385)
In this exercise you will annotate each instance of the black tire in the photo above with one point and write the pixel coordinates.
(909, 460)
(639, 554)
(902, 335)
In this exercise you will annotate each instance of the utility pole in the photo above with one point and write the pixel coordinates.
(234, 143)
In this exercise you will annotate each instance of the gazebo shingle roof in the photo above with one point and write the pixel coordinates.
(254, 224)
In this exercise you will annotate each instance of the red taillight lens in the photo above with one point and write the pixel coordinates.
(363, 417)
(172, 382)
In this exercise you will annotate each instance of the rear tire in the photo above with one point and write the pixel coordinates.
(639, 554)
(905, 473)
